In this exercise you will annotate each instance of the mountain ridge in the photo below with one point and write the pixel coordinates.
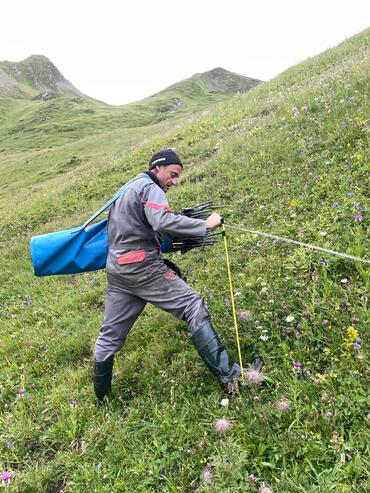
(36, 77)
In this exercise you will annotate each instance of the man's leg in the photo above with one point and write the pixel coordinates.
(167, 291)
(121, 311)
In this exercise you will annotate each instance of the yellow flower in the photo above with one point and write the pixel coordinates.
(293, 203)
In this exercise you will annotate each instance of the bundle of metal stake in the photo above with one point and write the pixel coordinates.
(185, 244)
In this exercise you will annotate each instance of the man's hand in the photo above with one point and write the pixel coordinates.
(213, 220)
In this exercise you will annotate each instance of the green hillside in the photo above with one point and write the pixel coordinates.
(48, 127)
(289, 157)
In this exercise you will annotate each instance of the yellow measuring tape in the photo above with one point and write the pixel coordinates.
(232, 301)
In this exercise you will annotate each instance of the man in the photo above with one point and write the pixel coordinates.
(137, 274)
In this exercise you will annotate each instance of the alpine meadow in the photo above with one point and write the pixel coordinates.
(287, 157)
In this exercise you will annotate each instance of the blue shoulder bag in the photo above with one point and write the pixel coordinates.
(80, 249)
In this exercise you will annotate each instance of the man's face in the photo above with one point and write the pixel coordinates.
(168, 176)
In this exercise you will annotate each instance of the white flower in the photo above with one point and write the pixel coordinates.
(264, 290)
(264, 337)
(289, 318)
(225, 402)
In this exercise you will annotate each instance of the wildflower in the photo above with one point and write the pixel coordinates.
(265, 489)
(296, 112)
(254, 377)
(225, 402)
(264, 290)
(344, 124)
(264, 337)
(256, 398)
(221, 426)
(344, 280)
(251, 478)
(207, 475)
(293, 203)
(283, 405)
(314, 276)
(342, 458)
(329, 414)
(356, 346)
(237, 293)
(358, 218)
(301, 232)
(297, 364)
(73, 403)
(323, 233)
(20, 392)
(335, 206)
(289, 318)
(356, 206)
(245, 315)
(6, 476)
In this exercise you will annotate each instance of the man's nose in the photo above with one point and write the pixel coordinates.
(175, 182)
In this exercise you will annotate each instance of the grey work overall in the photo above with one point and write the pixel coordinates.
(138, 275)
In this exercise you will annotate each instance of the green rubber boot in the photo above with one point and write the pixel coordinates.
(214, 355)
(103, 378)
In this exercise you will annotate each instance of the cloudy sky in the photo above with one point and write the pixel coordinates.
(120, 51)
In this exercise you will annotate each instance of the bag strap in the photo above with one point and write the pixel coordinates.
(120, 192)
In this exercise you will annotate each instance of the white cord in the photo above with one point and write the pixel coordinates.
(300, 243)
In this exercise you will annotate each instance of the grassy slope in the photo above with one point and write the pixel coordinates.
(42, 139)
(298, 176)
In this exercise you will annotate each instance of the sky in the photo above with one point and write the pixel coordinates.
(121, 51)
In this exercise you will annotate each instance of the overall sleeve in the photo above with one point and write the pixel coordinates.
(166, 223)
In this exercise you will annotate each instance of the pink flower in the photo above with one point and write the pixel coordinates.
(221, 426)
(283, 405)
(251, 478)
(254, 377)
(358, 218)
(245, 315)
(73, 403)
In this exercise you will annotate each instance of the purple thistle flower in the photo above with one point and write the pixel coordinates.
(221, 426)
(254, 377)
(245, 315)
(358, 218)
(6, 476)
